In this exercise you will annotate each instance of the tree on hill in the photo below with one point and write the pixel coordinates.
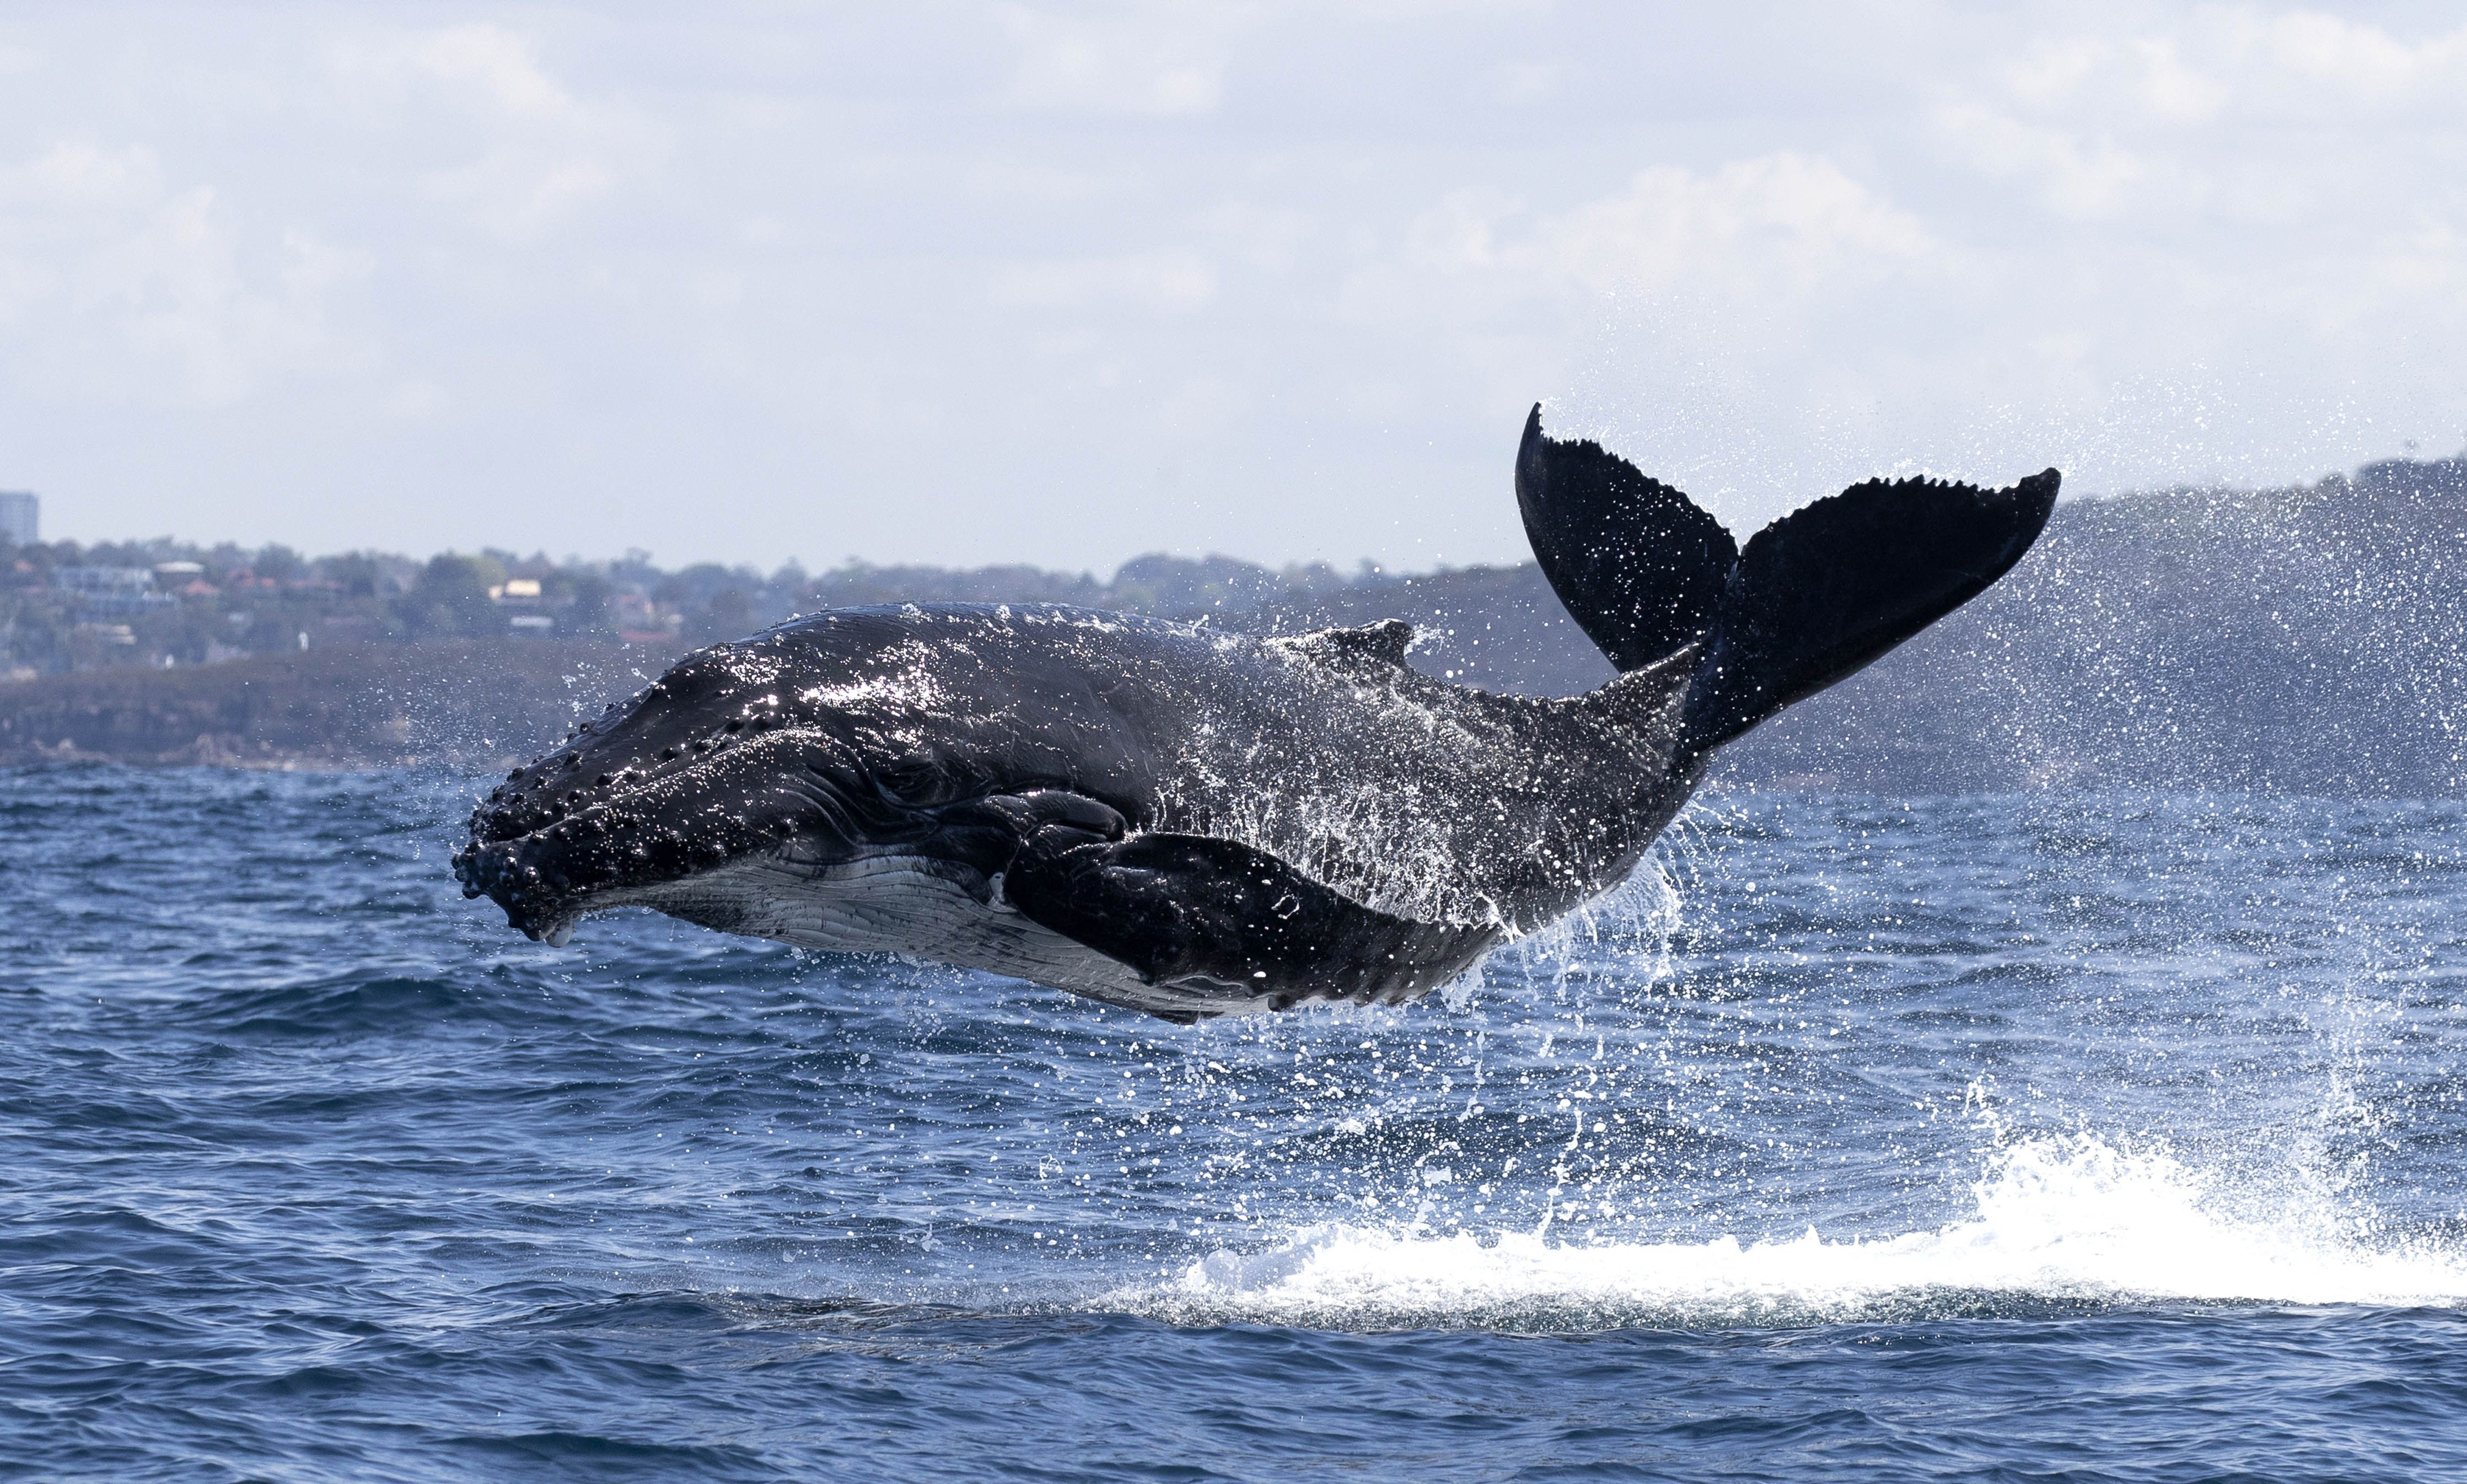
(451, 597)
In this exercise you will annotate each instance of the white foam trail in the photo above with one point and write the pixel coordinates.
(2067, 1220)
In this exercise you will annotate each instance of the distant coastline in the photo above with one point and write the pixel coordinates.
(456, 703)
(165, 604)
(2305, 641)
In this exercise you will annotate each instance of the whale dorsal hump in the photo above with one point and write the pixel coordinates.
(1386, 642)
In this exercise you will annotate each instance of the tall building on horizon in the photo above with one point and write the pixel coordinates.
(21, 517)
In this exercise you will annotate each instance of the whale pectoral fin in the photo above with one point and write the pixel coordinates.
(1194, 907)
(988, 833)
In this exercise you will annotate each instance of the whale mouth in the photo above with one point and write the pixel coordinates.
(538, 900)
(548, 878)
(635, 837)
(545, 911)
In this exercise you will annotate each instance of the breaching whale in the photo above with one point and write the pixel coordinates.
(1192, 823)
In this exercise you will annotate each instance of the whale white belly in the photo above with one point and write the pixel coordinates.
(917, 907)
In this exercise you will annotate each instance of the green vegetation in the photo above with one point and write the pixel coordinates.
(165, 604)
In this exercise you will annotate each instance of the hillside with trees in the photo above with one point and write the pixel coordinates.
(2307, 640)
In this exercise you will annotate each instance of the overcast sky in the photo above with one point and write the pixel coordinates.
(970, 283)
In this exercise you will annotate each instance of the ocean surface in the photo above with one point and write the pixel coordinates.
(2012, 1138)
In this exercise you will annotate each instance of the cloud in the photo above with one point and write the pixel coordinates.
(2363, 61)
(116, 282)
(2187, 123)
(1169, 280)
(1158, 61)
(542, 271)
(2074, 174)
(1766, 229)
(1270, 238)
(498, 64)
(534, 155)
(1779, 223)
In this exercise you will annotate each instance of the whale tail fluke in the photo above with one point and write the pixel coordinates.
(1814, 597)
(1640, 565)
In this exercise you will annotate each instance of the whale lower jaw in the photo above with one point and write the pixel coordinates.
(917, 907)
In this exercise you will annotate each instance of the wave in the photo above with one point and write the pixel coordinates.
(2059, 1224)
(332, 1007)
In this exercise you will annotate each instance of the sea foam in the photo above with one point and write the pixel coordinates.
(2056, 1221)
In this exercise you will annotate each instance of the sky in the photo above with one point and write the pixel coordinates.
(979, 283)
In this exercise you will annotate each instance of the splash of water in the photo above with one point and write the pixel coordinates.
(2061, 1219)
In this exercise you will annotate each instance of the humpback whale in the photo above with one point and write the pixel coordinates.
(1192, 823)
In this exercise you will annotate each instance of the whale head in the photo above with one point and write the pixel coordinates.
(852, 740)
(720, 759)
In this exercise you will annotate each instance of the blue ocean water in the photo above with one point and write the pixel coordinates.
(2028, 1137)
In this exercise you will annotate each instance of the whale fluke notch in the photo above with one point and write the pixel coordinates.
(1814, 597)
